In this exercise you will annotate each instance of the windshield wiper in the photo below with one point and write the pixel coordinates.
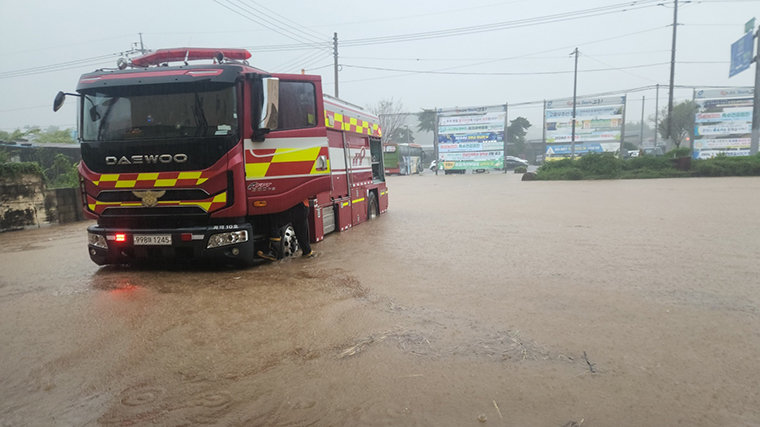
(109, 103)
(200, 117)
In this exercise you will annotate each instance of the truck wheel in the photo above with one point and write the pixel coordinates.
(289, 242)
(372, 207)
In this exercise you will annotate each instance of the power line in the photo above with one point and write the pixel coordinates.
(566, 16)
(284, 26)
(561, 48)
(452, 32)
(485, 73)
(306, 42)
(289, 22)
(319, 68)
(304, 61)
(245, 12)
(528, 56)
(77, 63)
(621, 70)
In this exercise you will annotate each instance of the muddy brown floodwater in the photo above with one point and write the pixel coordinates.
(476, 300)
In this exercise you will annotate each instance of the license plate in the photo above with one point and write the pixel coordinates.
(152, 239)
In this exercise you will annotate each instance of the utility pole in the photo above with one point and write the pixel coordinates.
(575, 92)
(641, 132)
(622, 128)
(753, 145)
(438, 162)
(335, 61)
(543, 135)
(506, 133)
(656, 113)
(672, 71)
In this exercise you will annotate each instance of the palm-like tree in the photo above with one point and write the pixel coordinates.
(427, 121)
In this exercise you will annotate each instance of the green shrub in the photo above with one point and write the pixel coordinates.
(600, 165)
(679, 152)
(606, 166)
(648, 162)
(568, 171)
(14, 170)
(557, 164)
(62, 173)
(521, 169)
(727, 166)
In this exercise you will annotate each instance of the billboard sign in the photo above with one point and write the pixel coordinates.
(471, 138)
(723, 122)
(598, 122)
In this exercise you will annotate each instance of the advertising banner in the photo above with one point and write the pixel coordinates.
(596, 120)
(727, 115)
(471, 138)
(480, 141)
(564, 150)
(723, 122)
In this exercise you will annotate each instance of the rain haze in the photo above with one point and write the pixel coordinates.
(420, 54)
(494, 297)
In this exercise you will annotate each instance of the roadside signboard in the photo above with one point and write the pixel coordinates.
(598, 126)
(471, 138)
(723, 122)
(741, 54)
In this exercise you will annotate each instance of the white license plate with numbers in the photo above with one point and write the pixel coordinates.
(152, 239)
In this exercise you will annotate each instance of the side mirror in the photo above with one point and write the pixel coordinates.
(58, 101)
(270, 110)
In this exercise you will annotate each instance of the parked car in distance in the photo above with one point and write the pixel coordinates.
(513, 162)
(652, 151)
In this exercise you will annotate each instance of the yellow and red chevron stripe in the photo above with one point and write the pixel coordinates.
(211, 204)
(346, 123)
(150, 180)
(285, 162)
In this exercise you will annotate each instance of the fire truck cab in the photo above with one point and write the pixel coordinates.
(206, 160)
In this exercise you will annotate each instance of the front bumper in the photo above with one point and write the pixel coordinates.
(117, 246)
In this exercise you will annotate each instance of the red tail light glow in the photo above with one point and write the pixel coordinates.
(121, 237)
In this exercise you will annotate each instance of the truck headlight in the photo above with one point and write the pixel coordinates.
(97, 240)
(229, 238)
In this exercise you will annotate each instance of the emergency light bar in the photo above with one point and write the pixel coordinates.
(189, 54)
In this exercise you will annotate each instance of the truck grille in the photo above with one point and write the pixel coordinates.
(128, 196)
(163, 217)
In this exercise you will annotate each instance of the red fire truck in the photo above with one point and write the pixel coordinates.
(192, 153)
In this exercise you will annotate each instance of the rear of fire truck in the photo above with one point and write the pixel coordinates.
(173, 158)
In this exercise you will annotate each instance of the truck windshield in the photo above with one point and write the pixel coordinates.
(159, 112)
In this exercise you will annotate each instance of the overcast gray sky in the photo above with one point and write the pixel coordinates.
(514, 51)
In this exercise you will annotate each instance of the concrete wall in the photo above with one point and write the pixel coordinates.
(63, 205)
(22, 202)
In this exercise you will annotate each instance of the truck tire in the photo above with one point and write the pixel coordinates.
(289, 243)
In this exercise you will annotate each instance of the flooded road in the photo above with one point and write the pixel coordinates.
(476, 300)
